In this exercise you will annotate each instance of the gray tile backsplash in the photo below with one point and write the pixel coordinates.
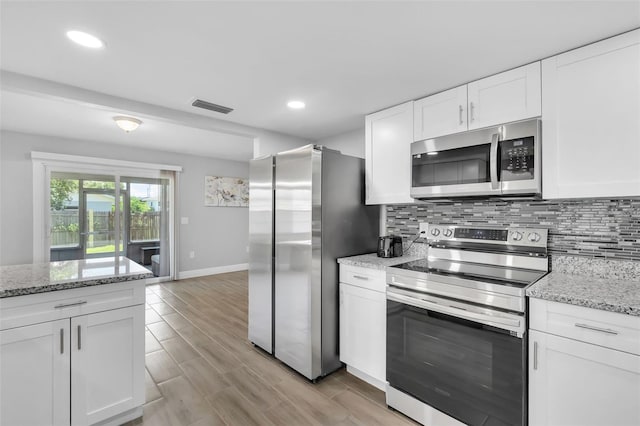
(594, 228)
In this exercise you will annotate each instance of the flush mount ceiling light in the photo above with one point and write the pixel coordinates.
(296, 104)
(85, 39)
(128, 124)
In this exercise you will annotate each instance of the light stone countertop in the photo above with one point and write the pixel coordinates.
(607, 294)
(18, 280)
(371, 260)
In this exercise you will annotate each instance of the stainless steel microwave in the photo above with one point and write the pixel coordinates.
(496, 161)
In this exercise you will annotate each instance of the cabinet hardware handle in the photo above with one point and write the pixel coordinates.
(535, 355)
(62, 340)
(460, 113)
(602, 330)
(360, 277)
(66, 305)
(79, 338)
(471, 109)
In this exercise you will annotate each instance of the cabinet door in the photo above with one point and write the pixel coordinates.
(388, 138)
(440, 114)
(576, 383)
(107, 364)
(509, 96)
(591, 129)
(35, 375)
(363, 320)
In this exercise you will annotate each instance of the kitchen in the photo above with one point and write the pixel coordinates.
(57, 101)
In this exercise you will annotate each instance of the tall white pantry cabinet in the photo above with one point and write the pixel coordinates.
(73, 357)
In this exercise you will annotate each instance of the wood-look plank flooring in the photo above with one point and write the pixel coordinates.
(202, 370)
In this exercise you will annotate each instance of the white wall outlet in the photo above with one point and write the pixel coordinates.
(184, 221)
(423, 227)
(247, 249)
(192, 254)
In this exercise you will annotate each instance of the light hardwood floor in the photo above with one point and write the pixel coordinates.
(202, 370)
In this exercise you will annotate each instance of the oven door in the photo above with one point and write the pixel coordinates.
(472, 371)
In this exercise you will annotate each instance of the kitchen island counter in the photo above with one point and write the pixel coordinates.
(19, 280)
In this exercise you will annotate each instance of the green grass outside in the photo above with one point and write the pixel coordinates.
(103, 249)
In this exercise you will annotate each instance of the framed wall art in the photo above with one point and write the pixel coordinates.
(222, 191)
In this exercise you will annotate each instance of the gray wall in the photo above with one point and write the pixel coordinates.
(349, 143)
(218, 235)
(270, 143)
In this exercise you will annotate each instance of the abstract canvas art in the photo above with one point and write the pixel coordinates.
(226, 191)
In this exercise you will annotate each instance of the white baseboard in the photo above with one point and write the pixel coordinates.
(382, 385)
(212, 271)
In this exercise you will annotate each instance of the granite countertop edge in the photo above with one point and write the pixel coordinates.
(71, 284)
(371, 260)
(612, 295)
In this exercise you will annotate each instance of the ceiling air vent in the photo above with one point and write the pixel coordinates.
(211, 107)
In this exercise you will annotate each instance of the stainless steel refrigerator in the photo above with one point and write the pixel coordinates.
(306, 209)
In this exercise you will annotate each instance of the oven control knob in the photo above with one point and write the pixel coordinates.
(448, 232)
(516, 236)
(534, 237)
(435, 232)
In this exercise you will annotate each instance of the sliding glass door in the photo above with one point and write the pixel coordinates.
(86, 221)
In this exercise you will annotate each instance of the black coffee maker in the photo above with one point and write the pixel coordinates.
(389, 246)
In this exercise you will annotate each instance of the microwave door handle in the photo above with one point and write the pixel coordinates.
(493, 161)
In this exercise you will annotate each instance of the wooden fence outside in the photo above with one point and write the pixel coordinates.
(65, 227)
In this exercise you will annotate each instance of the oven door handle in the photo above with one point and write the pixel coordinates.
(456, 312)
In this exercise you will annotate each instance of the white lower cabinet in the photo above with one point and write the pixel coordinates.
(363, 321)
(577, 382)
(107, 368)
(82, 369)
(35, 374)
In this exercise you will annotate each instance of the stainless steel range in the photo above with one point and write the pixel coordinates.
(456, 326)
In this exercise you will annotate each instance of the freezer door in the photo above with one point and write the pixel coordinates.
(298, 263)
(261, 252)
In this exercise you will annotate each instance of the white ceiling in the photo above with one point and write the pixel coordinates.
(35, 114)
(344, 59)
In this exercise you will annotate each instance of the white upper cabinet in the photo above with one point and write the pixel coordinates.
(502, 98)
(591, 120)
(441, 114)
(388, 137)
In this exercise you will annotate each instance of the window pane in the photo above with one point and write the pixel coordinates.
(148, 223)
(145, 212)
(64, 216)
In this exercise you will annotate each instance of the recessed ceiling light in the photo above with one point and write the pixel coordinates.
(85, 39)
(296, 104)
(128, 124)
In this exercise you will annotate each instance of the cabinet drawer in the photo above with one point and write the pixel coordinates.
(35, 308)
(608, 329)
(373, 279)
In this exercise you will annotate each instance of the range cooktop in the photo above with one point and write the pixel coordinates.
(512, 277)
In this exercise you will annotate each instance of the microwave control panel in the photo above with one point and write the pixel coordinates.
(517, 159)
